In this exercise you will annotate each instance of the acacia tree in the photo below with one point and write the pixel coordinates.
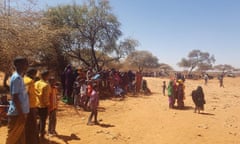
(93, 32)
(165, 68)
(141, 60)
(197, 60)
(224, 68)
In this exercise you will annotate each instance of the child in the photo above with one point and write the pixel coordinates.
(94, 102)
(164, 87)
(83, 93)
(52, 107)
(76, 92)
(198, 99)
(89, 91)
(42, 90)
(170, 94)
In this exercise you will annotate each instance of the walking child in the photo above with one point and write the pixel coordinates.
(76, 92)
(83, 93)
(164, 87)
(52, 107)
(89, 91)
(94, 102)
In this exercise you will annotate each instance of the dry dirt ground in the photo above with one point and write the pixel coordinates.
(148, 120)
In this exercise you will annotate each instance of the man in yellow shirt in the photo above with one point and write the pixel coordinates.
(42, 90)
(31, 123)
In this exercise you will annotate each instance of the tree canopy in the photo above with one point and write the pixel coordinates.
(19, 35)
(197, 60)
(224, 68)
(93, 33)
(89, 33)
(142, 59)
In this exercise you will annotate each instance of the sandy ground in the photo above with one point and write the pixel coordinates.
(147, 119)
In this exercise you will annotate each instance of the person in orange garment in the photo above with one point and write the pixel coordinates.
(52, 107)
(139, 78)
(180, 94)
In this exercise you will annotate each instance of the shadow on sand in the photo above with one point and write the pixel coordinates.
(204, 113)
(184, 108)
(101, 109)
(64, 138)
(68, 138)
(103, 125)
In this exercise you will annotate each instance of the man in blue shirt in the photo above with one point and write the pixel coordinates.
(19, 104)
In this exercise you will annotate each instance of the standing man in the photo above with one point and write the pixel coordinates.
(164, 86)
(221, 80)
(19, 104)
(206, 78)
(31, 122)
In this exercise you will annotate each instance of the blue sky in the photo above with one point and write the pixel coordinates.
(170, 29)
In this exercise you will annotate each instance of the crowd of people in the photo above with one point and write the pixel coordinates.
(34, 99)
(176, 93)
(77, 84)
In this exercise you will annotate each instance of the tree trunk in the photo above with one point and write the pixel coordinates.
(95, 61)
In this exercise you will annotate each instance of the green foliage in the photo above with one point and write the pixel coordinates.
(197, 59)
(88, 33)
(92, 33)
(142, 59)
(224, 68)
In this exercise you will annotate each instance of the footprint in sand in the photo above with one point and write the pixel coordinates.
(231, 121)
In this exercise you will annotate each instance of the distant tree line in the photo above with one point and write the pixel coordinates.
(203, 62)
